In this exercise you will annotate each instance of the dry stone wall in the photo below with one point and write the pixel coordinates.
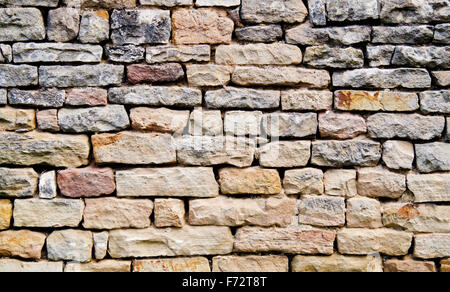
(231, 135)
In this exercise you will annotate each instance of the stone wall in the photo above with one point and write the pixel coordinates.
(224, 135)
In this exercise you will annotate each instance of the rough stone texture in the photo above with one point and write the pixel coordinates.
(16, 266)
(285, 154)
(340, 183)
(325, 57)
(21, 243)
(259, 33)
(87, 97)
(242, 123)
(159, 120)
(308, 181)
(48, 213)
(47, 120)
(352, 10)
(153, 242)
(183, 54)
(317, 12)
(3, 97)
(368, 241)
(106, 266)
(380, 55)
(397, 11)
(357, 100)
(251, 264)
(125, 53)
(398, 154)
(254, 181)
(409, 126)
(442, 33)
(341, 126)
(231, 97)
(21, 24)
(63, 24)
(409, 266)
(296, 240)
(56, 53)
(6, 208)
(177, 265)
(94, 26)
(337, 264)
(35, 148)
(420, 34)
(86, 182)
(363, 213)
(322, 211)
(445, 265)
(306, 100)
(433, 157)
(133, 148)
(169, 213)
(379, 182)
(100, 244)
(205, 123)
(40, 98)
(435, 102)
(225, 211)
(429, 187)
(176, 182)
(429, 246)
(114, 4)
(71, 245)
(201, 26)
(18, 75)
(18, 183)
(154, 73)
(273, 11)
(147, 26)
(19, 120)
(296, 125)
(430, 57)
(47, 185)
(208, 75)
(112, 213)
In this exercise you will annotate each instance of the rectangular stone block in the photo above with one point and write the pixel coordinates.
(70, 245)
(56, 53)
(181, 54)
(409, 266)
(105, 266)
(208, 75)
(379, 182)
(429, 57)
(40, 3)
(313, 100)
(435, 102)
(322, 211)
(352, 10)
(43, 98)
(337, 264)
(6, 208)
(159, 120)
(296, 125)
(249, 181)
(402, 34)
(433, 157)
(358, 100)
(430, 246)
(430, 187)
(285, 154)
(305, 181)
(18, 75)
(18, 183)
(251, 264)
(21, 243)
(231, 97)
(325, 57)
(21, 24)
(16, 266)
(163, 182)
(273, 11)
(175, 265)
(187, 241)
(19, 120)
(3, 97)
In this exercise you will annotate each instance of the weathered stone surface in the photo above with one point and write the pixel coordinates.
(352, 10)
(341, 125)
(48, 213)
(40, 98)
(340, 182)
(254, 264)
(139, 73)
(87, 97)
(94, 26)
(42, 3)
(156, 96)
(225, 3)
(169, 213)
(6, 209)
(80, 76)
(410, 126)
(307, 181)
(225, 211)
(290, 124)
(16, 266)
(306, 34)
(63, 24)
(207, 151)
(435, 101)
(346, 153)
(283, 76)
(35, 148)
(368, 241)
(445, 265)
(420, 34)
(86, 182)
(71, 245)
(6, 54)
(205, 123)
(259, 33)
(191, 265)
(18, 75)
(358, 100)
(273, 11)
(380, 55)
(56, 53)
(249, 181)
(159, 120)
(430, 187)
(258, 54)
(159, 182)
(208, 75)
(231, 97)
(322, 211)
(429, 246)
(125, 53)
(337, 264)
(409, 266)
(112, 213)
(100, 244)
(166, 3)
(433, 157)
(326, 57)
(317, 12)
(243, 123)
(285, 154)
(113, 4)
(379, 182)
(21, 243)
(93, 120)
(423, 218)
(21, 24)
(363, 213)
(187, 241)
(106, 266)
(299, 99)
(442, 33)
(423, 11)
(47, 120)
(182, 54)
(430, 57)
(19, 120)
(201, 26)
(442, 78)
(18, 183)
(134, 148)
(47, 185)
(3, 97)
(146, 26)
(383, 78)
(295, 239)
(398, 154)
